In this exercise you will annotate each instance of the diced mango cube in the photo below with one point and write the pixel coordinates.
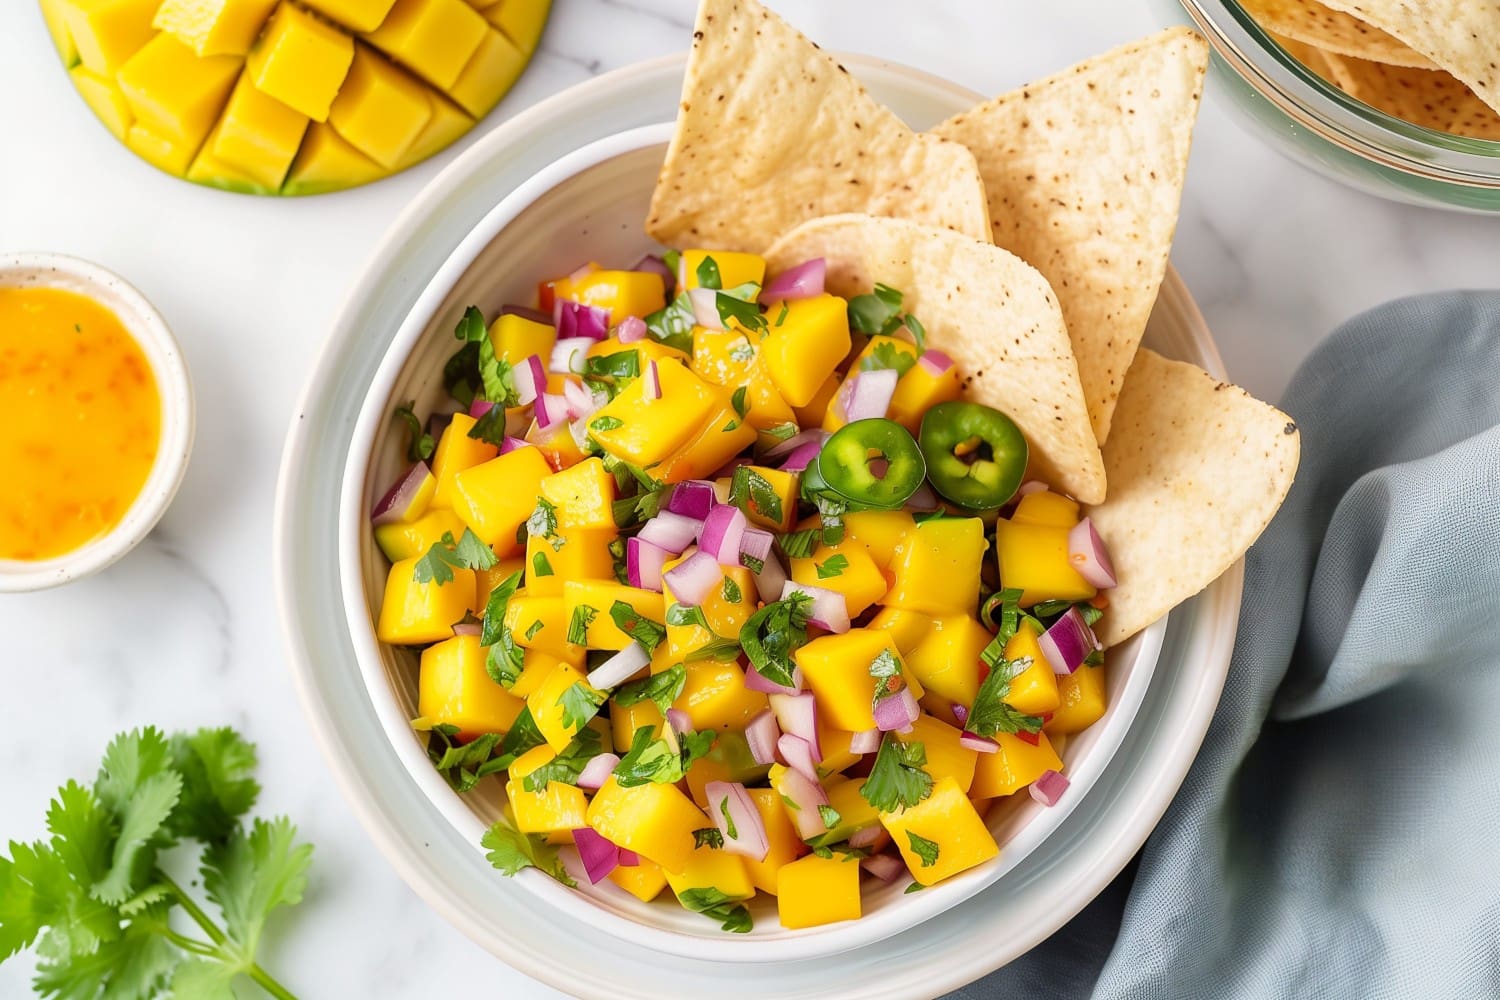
(834, 743)
(810, 414)
(768, 497)
(942, 835)
(403, 541)
(173, 92)
(520, 20)
(845, 568)
(559, 446)
(806, 346)
(413, 614)
(812, 891)
(496, 497)
(625, 720)
(214, 27)
(1014, 766)
(1034, 558)
(434, 38)
(654, 820)
(837, 669)
(734, 269)
(712, 868)
(327, 163)
(1046, 508)
(623, 293)
(938, 571)
(907, 629)
(558, 710)
(516, 338)
(729, 605)
(159, 151)
(781, 836)
(453, 687)
(491, 71)
(725, 357)
(919, 391)
(600, 596)
(380, 109)
(1033, 690)
(644, 432)
(583, 495)
(300, 61)
(1081, 700)
(946, 757)
(645, 350)
(445, 125)
(259, 134)
(947, 658)
(715, 697)
(556, 808)
(884, 532)
(723, 435)
(536, 667)
(539, 621)
(854, 810)
(103, 95)
(54, 13)
(108, 32)
(486, 580)
(644, 881)
(574, 554)
(356, 15)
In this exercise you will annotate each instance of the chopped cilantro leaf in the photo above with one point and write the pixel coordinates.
(490, 427)
(772, 634)
(728, 819)
(717, 906)
(878, 312)
(580, 703)
(534, 628)
(540, 564)
(662, 689)
(709, 836)
(708, 274)
(605, 423)
(509, 850)
(578, 625)
(990, 713)
(831, 567)
(752, 492)
(755, 565)
(799, 544)
(673, 325)
(494, 609)
(568, 765)
(620, 364)
(918, 331)
(683, 615)
(923, 848)
(643, 630)
(446, 555)
(742, 352)
(914, 887)
(897, 780)
(461, 375)
(496, 376)
(737, 400)
(735, 310)
(731, 591)
(419, 446)
(471, 327)
(886, 670)
(888, 355)
(829, 815)
(784, 431)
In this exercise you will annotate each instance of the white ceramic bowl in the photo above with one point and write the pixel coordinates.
(150, 331)
(590, 205)
(437, 858)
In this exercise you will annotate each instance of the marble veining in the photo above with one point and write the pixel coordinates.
(183, 632)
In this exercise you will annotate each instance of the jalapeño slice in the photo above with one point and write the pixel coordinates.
(976, 455)
(873, 463)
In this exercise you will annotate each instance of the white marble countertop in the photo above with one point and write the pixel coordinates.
(183, 632)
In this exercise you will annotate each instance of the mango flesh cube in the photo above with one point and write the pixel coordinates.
(520, 20)
(947, 657)
(837, 668)
(601, 595)
(261, 136)
(209, 170)
(806, 346)
(453, 687)
(380, 110)
(949, 821)
(214, 27)
(1014, 766)
(548, 704)
(555, 808)
(907, 629)
(413, 614)
(623, 293)
(712, 868)
(536, 667)
(496, 497)
(489, 73)
(714, 696)
(516, 338)
(159, 151)
(403, 541)
(1082, 698)
(327, 163)
(444, 126)
(812, 891)
(722, 436)
(654, 820)
(301, 61)
(583, 495)
(1034, 689)
(108, 32)
(1034, 558)
(781, 836)
(55, 15)
(104, 96)
(584, 555)
(919, 391)
(175, 94)
(625, 720)
(433, 38)
(938, 569)
(541, 622)
(644, 432)
(734, 268)
(883, 532)
(845, 568)
(356, 15)
(644, 881)
(1046, 508)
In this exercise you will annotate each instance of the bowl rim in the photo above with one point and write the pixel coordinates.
(150, 331)
(373, 422)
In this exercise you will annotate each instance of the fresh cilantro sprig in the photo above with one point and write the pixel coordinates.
(661, 689)
(653, 758)
(640, 628)
(887, 355)
(568, 765)
(716, 905)
(898, 779)
(990, 713)
(419, 445)
(98, 906)
(879, 313)
(753, 493)
(446, 555)
(510, 850)
(772, 634)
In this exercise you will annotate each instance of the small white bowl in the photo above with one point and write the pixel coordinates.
(146, 326)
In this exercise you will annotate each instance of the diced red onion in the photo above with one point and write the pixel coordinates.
(896, 711)
(692, 498)
(480, 407)
(866, 836)
(393, 506)
(574, 319)
(723, 530)
(632, 329)
(815, 434)
(973, 741)
(805, 281)
(673, 532)
(761, 733)
(756, 681)
(644, 563)
(756, 545)
(886, 867)
(653, 264)
(961, 714)
(510, 444)
(467, 628)
(805, 795)
(924, 499)
(743, 829)
(936, 363)
(599, 856)
(705, 303)
(551, 410)
(1068, 642)
(868, 394)
(582, 403)
(597, 771)
(1048, 788)
(801, 457)
(1088, 556)
(771, 580)
(797, 714)
(530, 378)
(829, 609)
(797, 754)
(679, 721)
(619, 668)
(579, 430)
(569, 355)
(650, 382)
(865, 742)
(1031, 486)
(526, 312)
(629, 859)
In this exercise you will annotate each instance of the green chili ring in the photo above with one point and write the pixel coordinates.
(873, 463)
(976, 455)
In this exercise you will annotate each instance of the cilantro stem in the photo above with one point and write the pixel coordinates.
(271, 986)
(254, 971)
(188, 944)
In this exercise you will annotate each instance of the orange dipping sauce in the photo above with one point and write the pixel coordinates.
(80, 421)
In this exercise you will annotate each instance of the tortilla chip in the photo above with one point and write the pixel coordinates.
(1318, 25)
(773, 131)
(1431, 98)
(1084, 172)
(1196, 468)
(1315, 59)
(1459, 36)
(988, 309)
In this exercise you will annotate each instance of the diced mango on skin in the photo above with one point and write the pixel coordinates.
(521, 22)
(259, 134)
(557, 808)
(453, 687)
(883, 532)
(723, 435)
(433, 38)
(837, 669)
(327, 163)
(806, 346)
(583, 555)
(210, 170)
(938, 570)
(812, 891)
(601, 595)
(54, 14)
(105, 33)
(946, 660)
(649, 431)
(845, 568)
(714, 696)
(173, 92)
(1046, 508)
(413, 614)
(300, 61)
(403, 541)
(446, 123)
(729, 605)
(159, 151)
(1034, 558)
(907, 629)
(625, 720)
(546, 704)
(919, 391)
(103, 95)
(946, 757)
(781, 836)
(1014, 766)
(380, 109)
(1082, 697)
(948, 819)
(356, 15)
(496, 497)
(644, 881)
(654, 820)
(540, 621)
(214, 27)
(713, 868)
(1033, 690)
(583, 495)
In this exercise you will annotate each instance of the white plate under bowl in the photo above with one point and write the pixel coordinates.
(437, 857)
(590, 205)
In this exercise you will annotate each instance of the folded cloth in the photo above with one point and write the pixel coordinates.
(1339, 833)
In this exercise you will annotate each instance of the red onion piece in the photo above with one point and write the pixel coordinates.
(756, 681)
(632, 329)
(761, 733)
(480, 407)
(801, 457)
(866, 836)
(679, 721)
(644, 563)
(691, 580)
(886, 867)
(771, 580)
(531, 379)
(551, 411)
(692, 498)
(629, 859)
(829, 609)
(756, 544)
(650, 382)
(961, 714)
(582, 403)
(574, 319)
(798, 755)
(673, 532)
(653, 264)
(723, 530)
(865, 742)
(1088, 555)
(936, 363)
(1031, 486)
(805, 796)
(393, 506)
(805, 281)
(749, 830)
(467, 628)
(814, 434)
(705, 302)
(597, 771)
(569, 355)
(619, 668)
(510, 444)
(599, 856)
(924, 499)
(973, 741)
(1048, 788)
(896, 711)
(797, 714)
(1068, 642)
(868, 394)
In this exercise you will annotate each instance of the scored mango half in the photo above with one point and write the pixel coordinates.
(279, 98)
